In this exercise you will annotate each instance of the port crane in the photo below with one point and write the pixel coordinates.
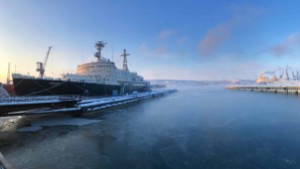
(41, 66)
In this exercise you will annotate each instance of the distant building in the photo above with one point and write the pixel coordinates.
(262, 79)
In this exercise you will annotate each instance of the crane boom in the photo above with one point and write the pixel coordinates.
(46, 59)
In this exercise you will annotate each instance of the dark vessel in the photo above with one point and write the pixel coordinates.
(94, 79)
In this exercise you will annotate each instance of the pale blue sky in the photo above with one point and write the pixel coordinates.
(196, 40)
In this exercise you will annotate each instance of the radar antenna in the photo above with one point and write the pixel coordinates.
(41, 66)
(99, 45)
(124, 55)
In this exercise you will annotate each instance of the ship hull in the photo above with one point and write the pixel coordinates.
(41, 87)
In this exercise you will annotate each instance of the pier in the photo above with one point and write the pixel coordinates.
(71, 105)
(268, 89)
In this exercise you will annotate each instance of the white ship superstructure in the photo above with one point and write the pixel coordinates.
(104, 71)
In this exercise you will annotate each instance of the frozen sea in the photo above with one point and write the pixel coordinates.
(195, 128)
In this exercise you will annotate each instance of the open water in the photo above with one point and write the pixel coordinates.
(197, 127)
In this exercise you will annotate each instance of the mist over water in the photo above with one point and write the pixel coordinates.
(197, 127)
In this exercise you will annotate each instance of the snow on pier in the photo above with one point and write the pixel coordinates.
(98, 104)
(92, 105)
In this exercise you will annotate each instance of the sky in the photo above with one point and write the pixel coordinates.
(184, 40)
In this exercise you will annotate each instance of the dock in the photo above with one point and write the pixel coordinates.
(72, 105)
(282, 89)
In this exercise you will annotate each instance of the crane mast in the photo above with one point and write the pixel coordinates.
(41, 66)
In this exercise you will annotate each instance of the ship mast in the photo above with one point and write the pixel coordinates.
(99, 45)
(124, 55)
